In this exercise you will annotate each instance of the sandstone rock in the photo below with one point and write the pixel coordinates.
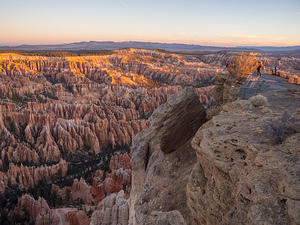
(166, 120)
(240, 177)
(120, 161)
(160, 171)
(120, 176)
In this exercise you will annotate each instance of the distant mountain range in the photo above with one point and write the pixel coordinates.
(272, 48)
(109, 45)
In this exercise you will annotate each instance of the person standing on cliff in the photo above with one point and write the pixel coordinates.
(276, 66)
(259, 68)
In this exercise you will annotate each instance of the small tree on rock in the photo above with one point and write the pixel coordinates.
(243, 66)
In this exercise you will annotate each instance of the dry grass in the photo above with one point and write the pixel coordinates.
(258, 100)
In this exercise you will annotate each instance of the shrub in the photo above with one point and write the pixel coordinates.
(279, 129)
(242, 66)
(258, 100)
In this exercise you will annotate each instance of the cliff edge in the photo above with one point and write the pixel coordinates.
(162, 159)
(233, 170)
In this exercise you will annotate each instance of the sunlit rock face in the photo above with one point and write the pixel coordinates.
(131, 67)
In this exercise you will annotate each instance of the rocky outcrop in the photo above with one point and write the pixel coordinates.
(170, 133)
(52, 137)
(119, 178)
(162, 159)
(240, 176)
(287, 64)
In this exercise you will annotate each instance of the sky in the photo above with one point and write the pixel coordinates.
(204, 22)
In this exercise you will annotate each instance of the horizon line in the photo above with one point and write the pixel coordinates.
(154, 42)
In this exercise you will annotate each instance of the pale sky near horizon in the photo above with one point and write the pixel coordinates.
(206, 22)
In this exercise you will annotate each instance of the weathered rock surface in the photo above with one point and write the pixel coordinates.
(166, 120)
(160, 172)
(113, 210)
(241, 176)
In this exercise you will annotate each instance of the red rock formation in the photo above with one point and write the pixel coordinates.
(81, 190)
(25, 177)
(38, 210)
(7, 107)
(60, 112)
(119, 178)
